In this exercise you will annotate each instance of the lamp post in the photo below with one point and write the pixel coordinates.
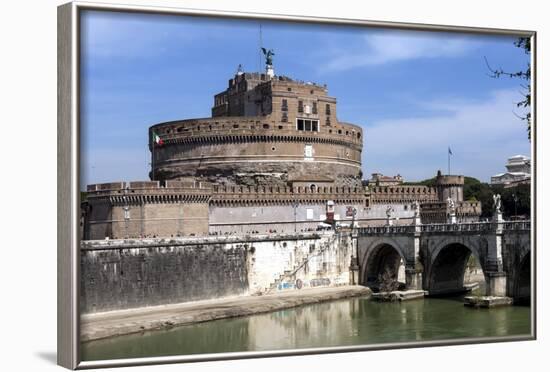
(515, 199)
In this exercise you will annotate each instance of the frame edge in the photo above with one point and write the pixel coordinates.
(66, 326)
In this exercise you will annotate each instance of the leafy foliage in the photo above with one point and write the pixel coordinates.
(525, 44)
(475, 190)
(388, 281)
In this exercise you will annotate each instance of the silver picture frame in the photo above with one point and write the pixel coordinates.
(68, 195)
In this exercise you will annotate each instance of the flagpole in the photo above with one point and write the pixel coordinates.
(448, 162)
(152, 156)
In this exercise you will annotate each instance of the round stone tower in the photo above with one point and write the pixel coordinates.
(263, 130)
(450, 186)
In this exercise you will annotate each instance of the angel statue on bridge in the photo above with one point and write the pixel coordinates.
(451, 205)
(416, 208)
(496, 203)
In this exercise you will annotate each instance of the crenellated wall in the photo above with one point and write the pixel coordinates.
(180, 208)
(146, 209)
(402, 194)
(438, 212)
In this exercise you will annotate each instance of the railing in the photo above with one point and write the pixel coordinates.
(517, 225)
(462, 227)
(402, 229)
(447, 227)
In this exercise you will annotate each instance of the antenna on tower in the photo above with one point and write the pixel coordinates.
(260, 46)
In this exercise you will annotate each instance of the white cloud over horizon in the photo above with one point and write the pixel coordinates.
(395, 46)
(482, 136)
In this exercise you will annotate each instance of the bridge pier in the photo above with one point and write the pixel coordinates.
(413, 269)
(413, 278)
(496, 283)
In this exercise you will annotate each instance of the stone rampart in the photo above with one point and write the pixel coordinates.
(132, 273)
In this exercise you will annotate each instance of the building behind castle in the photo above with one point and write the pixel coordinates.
(518, 171)
(272, 158)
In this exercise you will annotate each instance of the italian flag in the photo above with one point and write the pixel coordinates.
(157, 140)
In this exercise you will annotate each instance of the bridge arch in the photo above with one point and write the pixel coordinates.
(448, 263)
(382, 257)
(522, 282)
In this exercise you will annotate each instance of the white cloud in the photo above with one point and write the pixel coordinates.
(481, 134)
(393, 46)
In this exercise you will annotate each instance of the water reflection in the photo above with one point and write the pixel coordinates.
(340, 323)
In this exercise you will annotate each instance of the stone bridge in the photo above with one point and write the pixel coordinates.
(435, 256)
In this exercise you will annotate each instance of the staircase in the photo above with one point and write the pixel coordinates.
(290, 274)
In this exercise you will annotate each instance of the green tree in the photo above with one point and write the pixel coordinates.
(516, 201)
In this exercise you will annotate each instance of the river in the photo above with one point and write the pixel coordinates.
(356, 321)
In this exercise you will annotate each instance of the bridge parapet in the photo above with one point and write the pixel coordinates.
(376, 230)
(475, 227)
(517, 225)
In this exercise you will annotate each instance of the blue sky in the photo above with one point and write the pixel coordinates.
(414, 93)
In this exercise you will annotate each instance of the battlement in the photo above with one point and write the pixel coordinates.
(243, 195)
(460, 207)
(130, 191)
(438, 212)
(400, 194)
(449, 180)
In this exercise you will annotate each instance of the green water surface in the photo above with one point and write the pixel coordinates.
(356, 321)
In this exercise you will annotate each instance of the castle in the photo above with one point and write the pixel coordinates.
(272, 158)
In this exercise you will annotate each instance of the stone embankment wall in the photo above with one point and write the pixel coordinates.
(133, 273)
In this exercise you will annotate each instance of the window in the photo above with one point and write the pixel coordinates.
(307, 125)
(308, 152)
(314, 108)
(327, 122)
(327, 109)
(314, 125)
(300, 106)
(308, 109)
(284, 118)
(284, 105)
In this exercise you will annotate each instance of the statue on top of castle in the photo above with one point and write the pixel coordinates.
(240, 69)
(268, 53)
